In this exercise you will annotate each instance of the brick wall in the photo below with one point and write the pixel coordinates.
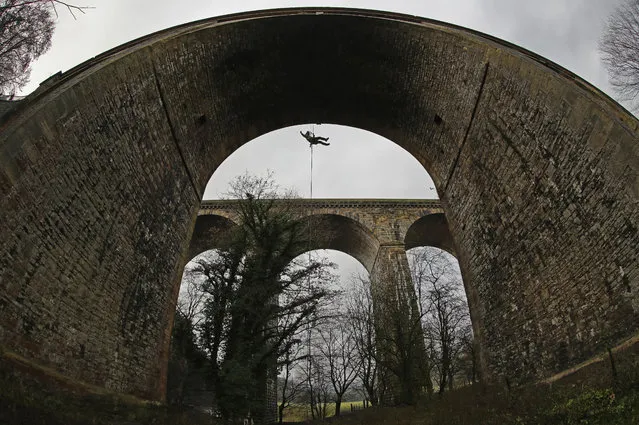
(101, 175)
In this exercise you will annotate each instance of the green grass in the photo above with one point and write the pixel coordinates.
(302, 412)
(492, 406)
(594, 395)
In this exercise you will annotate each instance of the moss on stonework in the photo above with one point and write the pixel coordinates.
(34, 395)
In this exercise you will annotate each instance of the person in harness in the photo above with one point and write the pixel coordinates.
(315, 140)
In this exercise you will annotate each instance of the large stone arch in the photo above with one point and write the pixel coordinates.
(102, 171)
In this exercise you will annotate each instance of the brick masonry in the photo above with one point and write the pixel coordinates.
(102, 172)
(376, 232)
(355, 226)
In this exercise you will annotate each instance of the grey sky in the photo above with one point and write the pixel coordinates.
(565, 31)
(353, 166)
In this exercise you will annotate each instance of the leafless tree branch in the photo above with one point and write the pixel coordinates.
(619, 47)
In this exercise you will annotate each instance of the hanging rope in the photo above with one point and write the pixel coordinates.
(310, 215)
(309, 329)
(312, 141)
(311, 172)
(311, 146)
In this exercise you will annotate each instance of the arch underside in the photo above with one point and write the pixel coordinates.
(102, 176)
(210, 232)
(325, 231)
(340, 233)
(430, 230)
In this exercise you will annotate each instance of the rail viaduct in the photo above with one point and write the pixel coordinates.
(358, 227)
(102, 172)
(377, 232)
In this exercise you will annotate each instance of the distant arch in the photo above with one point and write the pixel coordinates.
(211, 232)
(326, 231)
(430, 230)
(341, 233)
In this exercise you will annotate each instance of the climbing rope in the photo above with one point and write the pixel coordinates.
(311, 197)
(311, 146)
(310, 235)
(310, 215)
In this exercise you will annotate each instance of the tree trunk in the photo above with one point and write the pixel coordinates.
(338, 404)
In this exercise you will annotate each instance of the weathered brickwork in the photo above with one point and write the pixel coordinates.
(355, 226)
(102, 172)
(376, 232)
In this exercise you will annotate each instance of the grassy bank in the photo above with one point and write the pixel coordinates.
(599, 394)
(302, 412)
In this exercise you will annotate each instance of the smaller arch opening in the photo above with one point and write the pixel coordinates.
(341, 233)
(210, 232)
(430, 230)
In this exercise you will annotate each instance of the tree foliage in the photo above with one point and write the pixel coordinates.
(619, 47)
(26, 28)
(257, 296)
(360, 318)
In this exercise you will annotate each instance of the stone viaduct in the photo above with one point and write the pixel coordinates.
(359, 227)
(377, 232)
(102, 172)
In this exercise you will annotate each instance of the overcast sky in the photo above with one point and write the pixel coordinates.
(565, 31)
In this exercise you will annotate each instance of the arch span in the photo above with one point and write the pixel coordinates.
(430, 230)
(340, 233)
(210, 232)
(102, 173)
(326, 231)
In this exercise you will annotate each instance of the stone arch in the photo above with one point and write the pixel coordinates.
(210, 232)
(102, 172)
(343, 234)
(430, 230)
(338, 232)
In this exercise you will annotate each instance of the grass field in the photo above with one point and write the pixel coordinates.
(302, 412)
(598, 394)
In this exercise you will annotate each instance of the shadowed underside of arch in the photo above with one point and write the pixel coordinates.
(102, 173)
(326, 231)
(332, 231)
(210, 232)
(430, 230)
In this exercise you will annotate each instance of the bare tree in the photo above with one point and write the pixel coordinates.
(338, 347)
(315, 374)
(619, 47)
(291, 386)
(194, 289)
(26, 28)
(360, 318)
(444, 311)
